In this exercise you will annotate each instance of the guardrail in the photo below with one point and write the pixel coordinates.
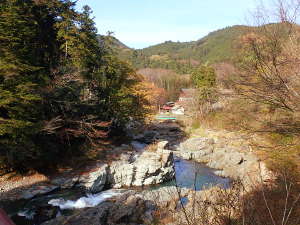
(165, 118)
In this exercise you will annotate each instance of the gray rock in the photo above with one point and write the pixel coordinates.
(148, 168)
(229, 160)
(235, 158)
(66, 181)
(128, 209)
(165, 196)
(162, 145)
(186, 155)
(95, 179)
(38, 190)
(198, 155)
(197, 144)
(121, 174)
(143, 168)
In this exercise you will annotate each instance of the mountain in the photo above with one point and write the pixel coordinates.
(217, 46)
(118, 44)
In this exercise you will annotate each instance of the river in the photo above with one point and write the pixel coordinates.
(189, 174)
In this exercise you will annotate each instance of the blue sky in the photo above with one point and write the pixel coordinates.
(141, 23)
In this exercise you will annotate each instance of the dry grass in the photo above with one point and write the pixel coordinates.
(264, 204)
(274, 134)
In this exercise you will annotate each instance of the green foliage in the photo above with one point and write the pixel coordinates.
(183, 57)
(58, 84)
(204, 77)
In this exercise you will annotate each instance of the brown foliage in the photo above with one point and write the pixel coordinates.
(168, 80)
(270, 69)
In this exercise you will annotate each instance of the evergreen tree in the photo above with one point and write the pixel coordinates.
(58, 83)
(204, 78)
(26, 58)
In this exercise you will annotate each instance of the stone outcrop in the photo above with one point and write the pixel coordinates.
(141, 169)
(197, 144)
(148, 168)
(230, 161)
(166, 197)
(134, 168)
(95, 180)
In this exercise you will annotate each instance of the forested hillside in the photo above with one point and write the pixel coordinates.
(61, 89)
(182, 57)
(170, 64)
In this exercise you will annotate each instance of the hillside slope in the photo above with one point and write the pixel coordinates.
(217, 46)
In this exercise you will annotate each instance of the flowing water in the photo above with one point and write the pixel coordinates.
(189, 174)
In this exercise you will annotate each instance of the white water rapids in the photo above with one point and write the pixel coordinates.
(90, 200)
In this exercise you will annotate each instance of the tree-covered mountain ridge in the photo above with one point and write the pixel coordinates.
(217, 46)
(223, 45)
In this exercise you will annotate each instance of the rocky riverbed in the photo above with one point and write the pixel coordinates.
(140, 167)
(232, 160)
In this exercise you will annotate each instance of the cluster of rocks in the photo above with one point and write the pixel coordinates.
(142, 169)
(130, 208)
(135, 168)
(229, 161)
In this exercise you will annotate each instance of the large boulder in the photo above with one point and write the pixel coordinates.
(148, 168)
(95, 179)
(198, 149)
(136, 169)
(197, 144)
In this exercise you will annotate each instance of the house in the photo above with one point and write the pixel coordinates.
(178, 110)
(187, 95)
(167, 107)
(172, 107)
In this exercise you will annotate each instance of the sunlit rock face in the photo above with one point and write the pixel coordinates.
(140, 168)
(147, 169)
(233, 162)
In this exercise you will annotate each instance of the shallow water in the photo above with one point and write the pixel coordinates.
(197, 176)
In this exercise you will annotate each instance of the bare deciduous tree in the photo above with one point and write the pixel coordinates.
(271, 69)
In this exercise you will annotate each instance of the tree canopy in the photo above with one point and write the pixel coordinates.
(59, 84)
